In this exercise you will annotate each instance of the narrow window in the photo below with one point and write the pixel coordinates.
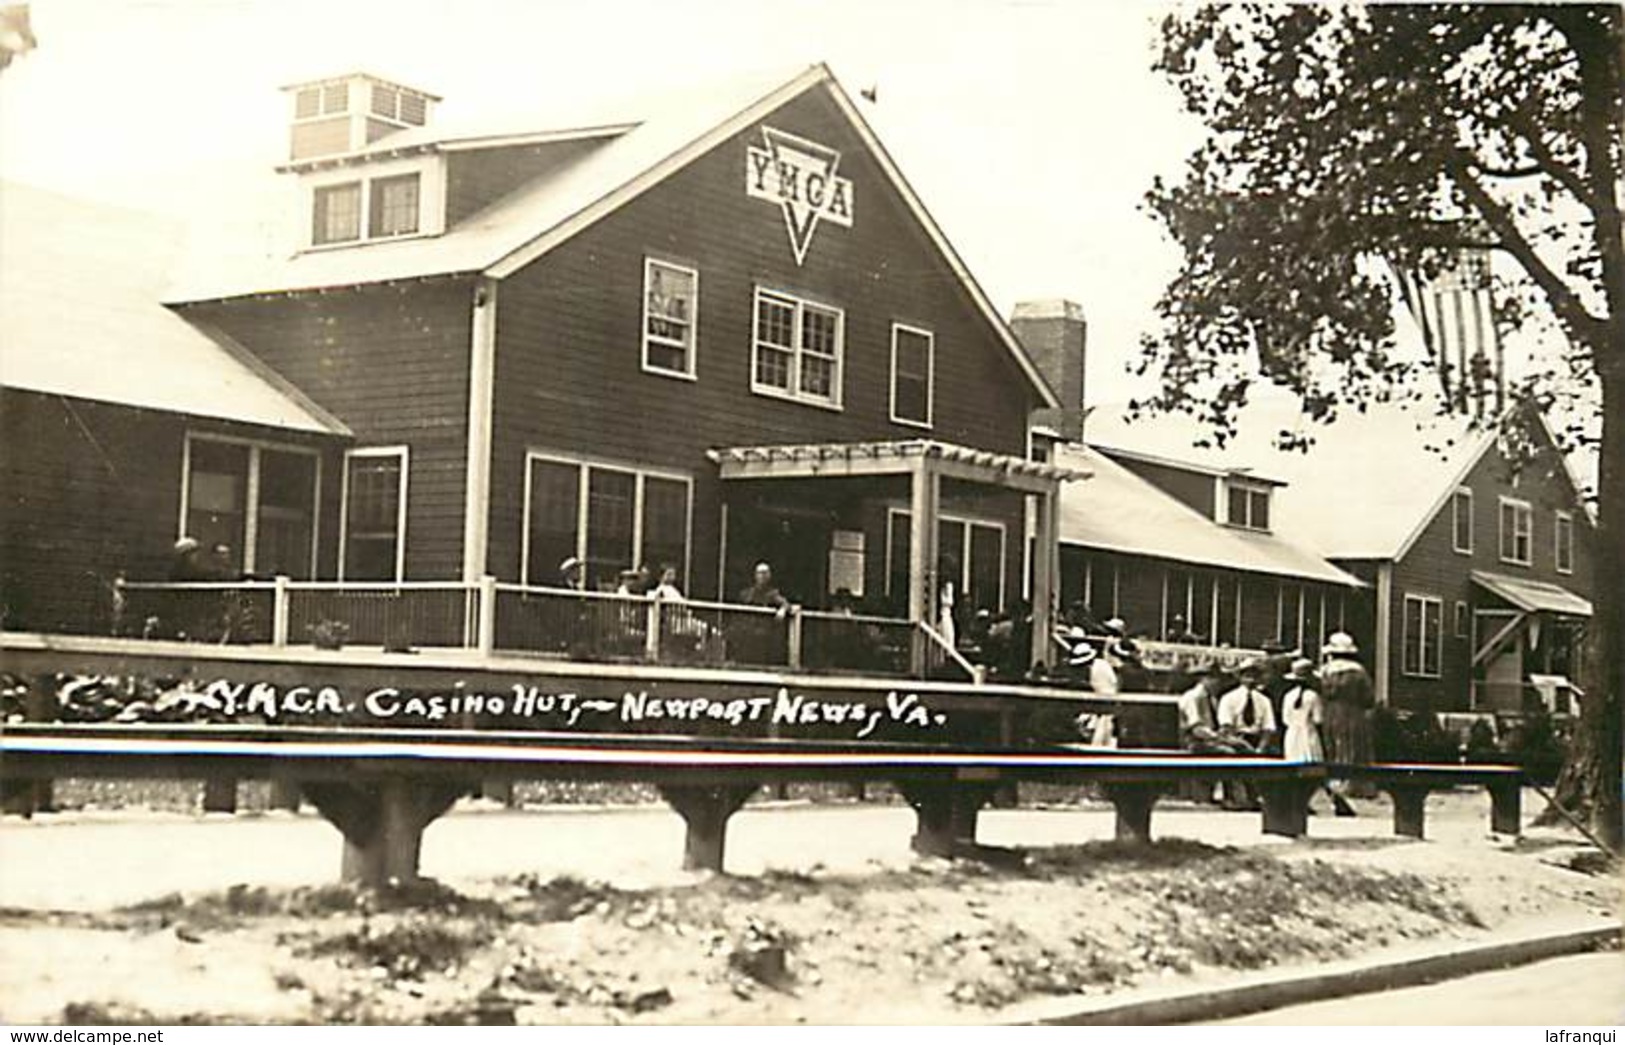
(1461, 512)
(670, 307)
(217, 496)
(912, 359)
(1563, 540)
(1423, 636)
(554, 497)
(337, 213)
(287, 514)
(374, 515)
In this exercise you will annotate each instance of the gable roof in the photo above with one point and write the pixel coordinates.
(80, 316)
(1116, 510)
(1366, 488)
(516, 230)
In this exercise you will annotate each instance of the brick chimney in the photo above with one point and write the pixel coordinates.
(1053, 333)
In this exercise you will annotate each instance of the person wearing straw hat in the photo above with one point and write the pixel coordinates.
(1303, 713)
(1346, 690)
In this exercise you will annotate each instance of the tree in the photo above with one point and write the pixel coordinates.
(1341, 137)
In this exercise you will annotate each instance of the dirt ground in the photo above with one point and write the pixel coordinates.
(580, 916)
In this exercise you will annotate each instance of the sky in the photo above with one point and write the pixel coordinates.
(1031, 130)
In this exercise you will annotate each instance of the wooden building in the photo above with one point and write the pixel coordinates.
(1475, 554)
(124, 425)
(722, 332)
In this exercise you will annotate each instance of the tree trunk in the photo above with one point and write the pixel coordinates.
(1589, 785)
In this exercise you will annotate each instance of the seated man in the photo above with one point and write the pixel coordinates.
(1199, 731)
(1247, 716)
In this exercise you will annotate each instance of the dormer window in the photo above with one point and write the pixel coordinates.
(1248, 505)
(338, 214)
(392, 103)
(394, 206)
(326, 100)
(362, 209)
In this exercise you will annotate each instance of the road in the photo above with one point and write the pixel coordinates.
(1585, 990)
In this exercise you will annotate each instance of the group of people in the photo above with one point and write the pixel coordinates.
(1311, 716)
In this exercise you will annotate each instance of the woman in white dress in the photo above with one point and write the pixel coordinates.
(1303, 713)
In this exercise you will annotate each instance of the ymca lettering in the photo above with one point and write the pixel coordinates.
(800, 177)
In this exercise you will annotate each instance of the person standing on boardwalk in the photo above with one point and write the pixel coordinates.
(1346, 691)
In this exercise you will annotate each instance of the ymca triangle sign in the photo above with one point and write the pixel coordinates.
(800, 176)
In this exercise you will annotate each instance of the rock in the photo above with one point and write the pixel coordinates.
(648, 1001)
(187, 934)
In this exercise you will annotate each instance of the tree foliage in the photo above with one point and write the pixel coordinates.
(1342, 140)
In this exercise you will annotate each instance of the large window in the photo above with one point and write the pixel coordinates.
(971, 549)
(671, 307)
(338, 214)
(394, 206)
(1423, 638)
(1517, 531)
(797, 352)
(913, 354)
(1248, 505)
(374, 529)
(1461, 521)
(1563, 542)
(257, 500)
(610, 516)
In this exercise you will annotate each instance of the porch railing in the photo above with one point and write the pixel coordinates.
(491, 617)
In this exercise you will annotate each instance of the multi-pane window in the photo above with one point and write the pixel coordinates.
(394, 104)
(912, 360)
(670, 307)
(1563, 542)
(337, 213)
(1423, 638)
(258, 501)
(1517, 531)
(797, 351)
(374, 515)
(1461, 521)
(611, 517)
(394, 206)
(1249, 506)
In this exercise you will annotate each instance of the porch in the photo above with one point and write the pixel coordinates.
(1526, 637)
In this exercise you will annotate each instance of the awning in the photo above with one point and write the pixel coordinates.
(1533, 596)
(895, 457)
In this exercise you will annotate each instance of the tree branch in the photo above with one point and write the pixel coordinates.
(1585, 327)
(1547, 161)
(1533, 170)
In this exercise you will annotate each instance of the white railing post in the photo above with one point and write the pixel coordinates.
(279, 611)
(486, 635)
(651, 635)
(795, 638)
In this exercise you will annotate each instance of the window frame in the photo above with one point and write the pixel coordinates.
(317, 217)
(402, 451)
(1250, 489)
(962, 553)
(1522, 510)
(798, 350)
(1462, 624)
(584, 465)
(1437, 638)
(930, 377)
(1462, 492)
(251, 507)
(692, 349)
(1562, 522)
(375, 203)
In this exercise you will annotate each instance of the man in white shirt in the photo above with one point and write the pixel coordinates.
(1246, 712)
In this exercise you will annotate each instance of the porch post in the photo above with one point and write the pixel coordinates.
(924, 490)
(1045, 559)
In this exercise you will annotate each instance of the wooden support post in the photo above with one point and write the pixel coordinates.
(1286, 806)
(1046, 576)
(27, 797)
(280, 611)
(1133, 803)
(285, 795)
(706, 811)
(220, 795)
(924, 491)
(1410, 804)
(382, 823)
(1506, 807)
(946, 814)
